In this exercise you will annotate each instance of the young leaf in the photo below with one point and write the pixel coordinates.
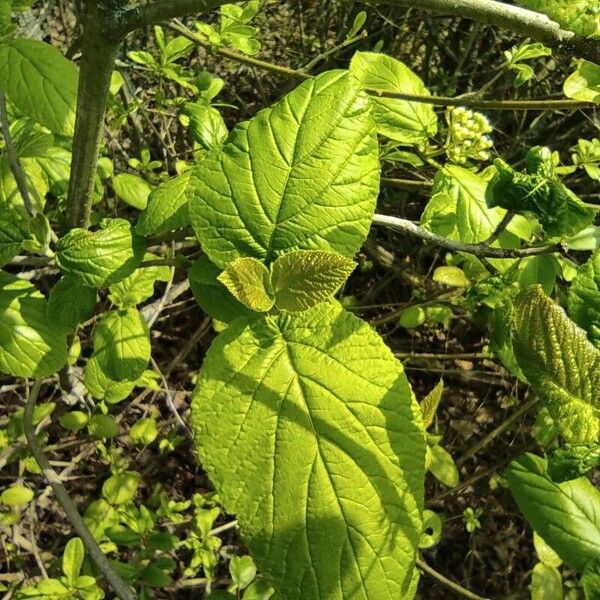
(206, 124)
(122, 344)
(560, 363)
(100, 258)
(399, 120)
(584, 83)
(566, 515)
(132, 189)
(243, 571)
(73, 420)
(320, 420)
(102, 387)
(121, 488)
(304, 278)
(40, 82)
(583, 298)
(13, 232)
(138, 286)
(301, 175)
(70, 302)
(580, 16)
(443, 467)
(30, 344)
(248, 281)
(103, 427)
(72, 560)
(546, 583)
(211, 294)
(430, 403)
(167, 207)
(16, 495)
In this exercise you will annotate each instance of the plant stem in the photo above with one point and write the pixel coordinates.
(447, 582)
(98, 56)
(121, 588)
(481, 249)
(442, 101)
(513, 18)
(13, 159)
(409, 185)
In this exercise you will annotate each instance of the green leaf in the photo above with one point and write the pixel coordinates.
(580, 16)
(451, 276)
(573, 461)
(70, 303)
(399, 120)
(430, 403)
(103, 426)
(248, 281)
(560, 363)
(144, 431)
(122, 344)
(40, 82)
(546, 583)
(566, 515)
(72, 560)
(432, 529)
(30, 344)
(121, 488)
(541, 269)
(583, 297)
(139, 286)
(301, 175)
(167, 206)
(102, 387)
(590, 580)
(16, 495)
(13, 232)
(132, 189)
(74, 420)
(103, 257)
(242, 570)
(304, 278)
(319, 420)
(443, 467)
(545, 553)
(584, 83)
(206, 124)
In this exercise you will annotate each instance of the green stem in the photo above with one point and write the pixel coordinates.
(448, 582)
(99, 51)
(122, 590)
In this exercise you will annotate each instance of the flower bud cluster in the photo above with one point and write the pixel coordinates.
(468, 137)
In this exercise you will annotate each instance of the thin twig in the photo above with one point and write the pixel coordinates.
(13, 159)
(123, 591)
(448, 582)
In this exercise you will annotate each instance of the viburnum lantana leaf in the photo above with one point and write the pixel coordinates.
(304, 278)
(301, 175)
(31, 345)
(311, 435)
(70, 302)
(583, 298)
(102, 387)
(584, 83)
(399, 120)
(248, 281)
(560, 363)
(211, 294)
(13, 232)
(103, 257)
(430, 403)
(580, 16)
(566, 515)
(40, 82)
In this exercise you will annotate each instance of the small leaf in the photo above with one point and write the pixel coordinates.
(40, 82)
(248, 281)
(432, 529)
(70, 302)
(584, 83)
(566, 515)
(430, 403)
(546, 583)
(443, 467)
(102, 387)
(121, 488)
(560, 363)
(101, 258)
(243, 571)
(212, 295)
(206, 124)
(144, 431)
(544, 552)
(304, 278)
(583, 297)
(573, 461)
(399, 120)
(590, 580)
(13, 232)
(74, 420)
(451, 276)
(72, 560)
(103, 426)
(132, 189)
(16, 495)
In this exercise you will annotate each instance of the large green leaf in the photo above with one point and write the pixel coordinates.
(40, 82)
(167, 206)
(583, 297)
(580, 16)
(30, 344)
(566, 515)
(13, 232)
(309, 430)
(70, 302)
(560, 363)
(100, 258)
(122, 345)
(398, 120)
(301, 175)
